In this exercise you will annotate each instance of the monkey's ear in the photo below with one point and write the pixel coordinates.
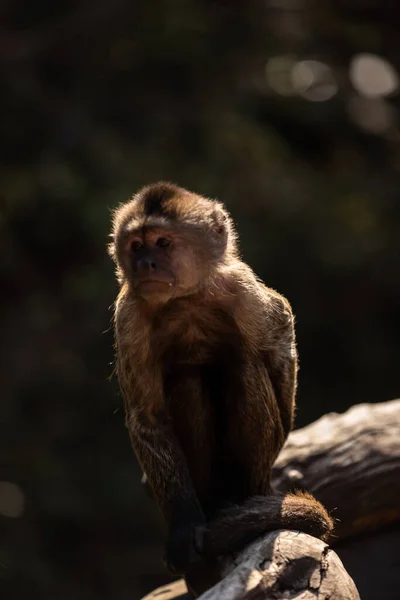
(220, 219)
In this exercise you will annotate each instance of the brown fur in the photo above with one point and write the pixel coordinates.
(207, 366)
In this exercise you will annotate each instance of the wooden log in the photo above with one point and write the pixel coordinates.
(282, 565)
(285, 564)
(172, 591)
(351, 463)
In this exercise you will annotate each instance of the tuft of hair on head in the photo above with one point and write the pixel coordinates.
(155, 198)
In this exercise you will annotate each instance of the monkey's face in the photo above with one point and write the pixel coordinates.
(168, 241)
(145, 259)
(165, 263)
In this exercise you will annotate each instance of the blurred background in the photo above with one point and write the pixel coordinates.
(286, 110)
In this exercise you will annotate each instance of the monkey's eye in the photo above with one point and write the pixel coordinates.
(162, 242)
(136, 245)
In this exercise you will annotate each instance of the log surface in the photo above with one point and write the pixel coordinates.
(282, 565)
(285, 565)
(351, 463)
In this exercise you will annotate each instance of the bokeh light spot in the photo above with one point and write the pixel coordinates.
(314, 80)
(372, 114)
(278, 72)
(373, 76)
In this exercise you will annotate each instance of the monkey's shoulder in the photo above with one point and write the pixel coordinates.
(251, 297)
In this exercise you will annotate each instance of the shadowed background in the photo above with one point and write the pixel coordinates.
(286, 110)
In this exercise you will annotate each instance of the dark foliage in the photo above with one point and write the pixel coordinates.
(99, 98)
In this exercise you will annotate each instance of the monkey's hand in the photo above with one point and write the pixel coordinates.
(184, 547)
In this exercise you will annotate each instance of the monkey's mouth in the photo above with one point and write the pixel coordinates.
(155, 285)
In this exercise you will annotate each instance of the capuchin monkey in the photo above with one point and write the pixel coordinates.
(207, 366)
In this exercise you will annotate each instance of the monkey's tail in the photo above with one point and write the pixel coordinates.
(237, 526)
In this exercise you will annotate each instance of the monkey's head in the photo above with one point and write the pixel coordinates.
(168, 241)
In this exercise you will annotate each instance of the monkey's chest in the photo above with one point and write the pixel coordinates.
(196, 396)
(202, 401)
(198, 352)
(203, 388)
(199, 340)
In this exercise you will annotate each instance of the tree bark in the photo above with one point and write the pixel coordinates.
(282, 565)
(351, 463)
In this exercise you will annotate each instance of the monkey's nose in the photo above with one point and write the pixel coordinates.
(145, 266)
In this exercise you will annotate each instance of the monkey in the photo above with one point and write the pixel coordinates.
(207, 365)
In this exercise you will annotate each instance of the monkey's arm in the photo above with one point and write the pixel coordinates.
(161, 458)
(164, 464)
(280, 356)
(154, 442)
(267, 324)
(269, 378)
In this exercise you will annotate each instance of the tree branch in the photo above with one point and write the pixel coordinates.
(351, 463)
